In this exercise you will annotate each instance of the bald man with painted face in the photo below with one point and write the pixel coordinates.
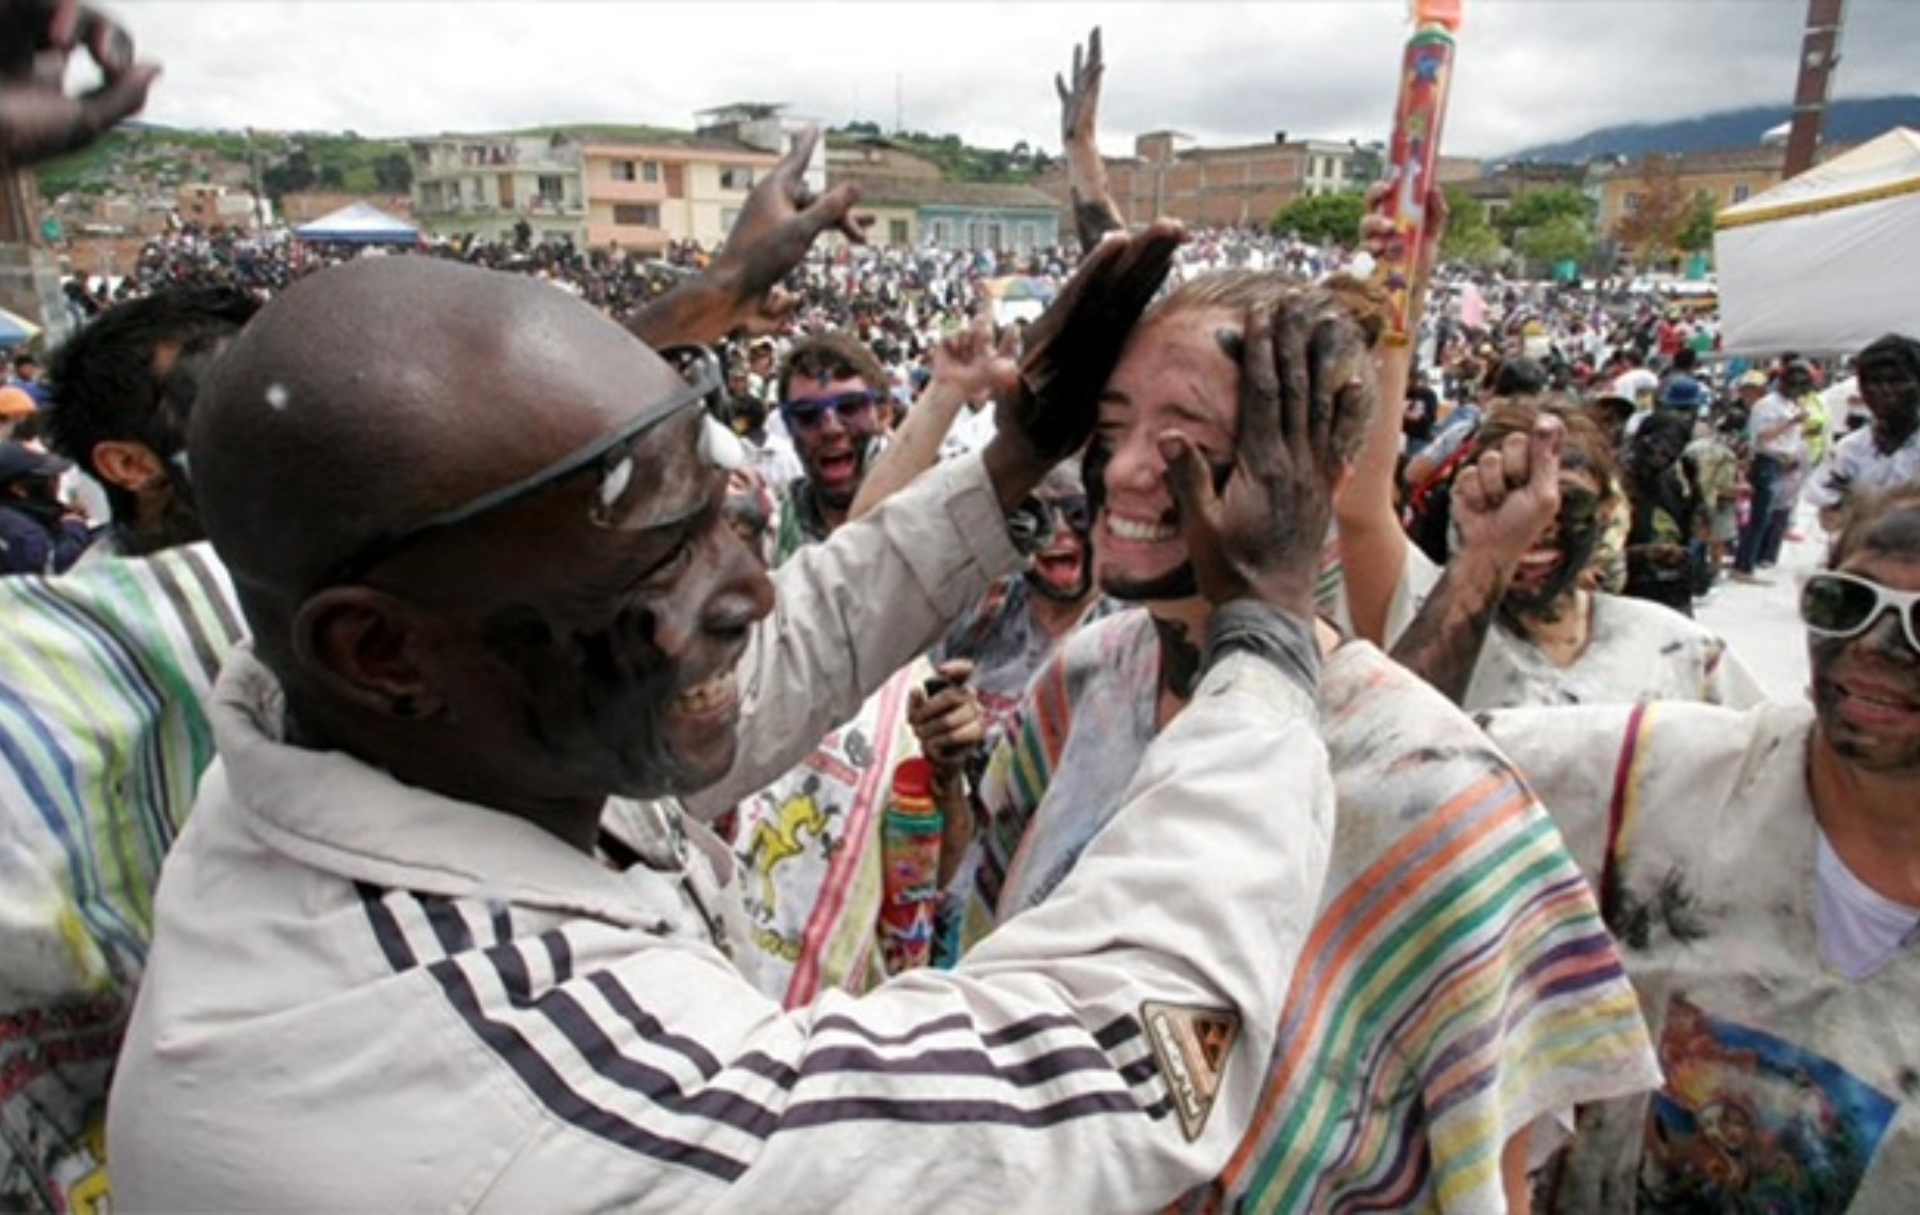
(424, 944)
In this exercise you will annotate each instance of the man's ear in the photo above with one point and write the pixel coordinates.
(368, 648)
(128, 464)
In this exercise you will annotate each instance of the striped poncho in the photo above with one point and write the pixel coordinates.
(103, 737)
(1458, 985)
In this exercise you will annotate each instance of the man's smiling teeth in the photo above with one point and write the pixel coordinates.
(1133, 529)
(708, 695)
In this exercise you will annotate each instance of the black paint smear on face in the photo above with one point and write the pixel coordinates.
(596, 699)
(1179, 658)
(1177, 583)
(1577, 535)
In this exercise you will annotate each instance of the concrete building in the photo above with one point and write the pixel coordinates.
(1240, 185)
(640, 196)
(1725, 177)
(876, 156)
(486, 184)
(208, 205)
(914, 212)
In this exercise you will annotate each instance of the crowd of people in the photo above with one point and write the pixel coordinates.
(748, 729)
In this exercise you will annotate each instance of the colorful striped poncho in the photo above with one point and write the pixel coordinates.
(1458, 985)
(103, 738)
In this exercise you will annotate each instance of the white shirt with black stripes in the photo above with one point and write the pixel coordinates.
(366, 996)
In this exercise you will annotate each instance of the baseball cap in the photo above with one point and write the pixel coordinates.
(16, 404)
(1753, 379)
(17, 460)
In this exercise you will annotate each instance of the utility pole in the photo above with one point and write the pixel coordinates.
(1819, 55)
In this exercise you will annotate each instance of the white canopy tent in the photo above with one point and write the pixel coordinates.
(358, 224)
(1828, 261)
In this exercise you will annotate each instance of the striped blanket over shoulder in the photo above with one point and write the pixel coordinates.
(103, 674)
(1458, 986)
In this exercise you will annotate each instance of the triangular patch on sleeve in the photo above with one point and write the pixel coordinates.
(1192, 1045)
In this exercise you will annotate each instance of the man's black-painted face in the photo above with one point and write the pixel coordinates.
(1866, 688)
(622, 664)
(1891, 389)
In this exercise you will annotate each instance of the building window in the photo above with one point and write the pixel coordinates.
(1742, 193)
(552, 187)
(623, 170)
(941, 233)
(636, 215)
(897, 232)
(650, 171)
(736, 177)
(1632, 203)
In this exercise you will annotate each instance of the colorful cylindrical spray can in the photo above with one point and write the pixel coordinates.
(910, 836)
(1426, 74)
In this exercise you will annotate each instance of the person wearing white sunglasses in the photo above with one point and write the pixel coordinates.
(1762, 871)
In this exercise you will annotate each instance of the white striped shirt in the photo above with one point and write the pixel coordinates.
(366, 996)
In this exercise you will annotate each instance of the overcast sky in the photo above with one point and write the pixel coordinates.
(1529, 70)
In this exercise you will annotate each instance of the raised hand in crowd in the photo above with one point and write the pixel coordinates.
(968, 366)
(1505, 504)
(38, 118)
(971, 364)
(741, 290)
(1094, 211)
(1372, 544)
(1255, 528)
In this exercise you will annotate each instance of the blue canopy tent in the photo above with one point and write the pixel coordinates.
(16, 330)
(358, 224)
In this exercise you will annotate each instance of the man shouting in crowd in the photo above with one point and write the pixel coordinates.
(419, 946)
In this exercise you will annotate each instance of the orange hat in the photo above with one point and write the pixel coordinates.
(16, 404)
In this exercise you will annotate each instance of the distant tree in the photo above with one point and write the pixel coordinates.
(290, 176)
(1322, 218)
(1022, 151)
(1696, 234)
(1564, 238)
(1470, 238)
(393, 173)
(1536, 207)
(1656, 213)
(862, 128)
(331, 177)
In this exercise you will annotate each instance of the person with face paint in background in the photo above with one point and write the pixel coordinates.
(1176, 440)
(1886, 454)
(1664, 512)
(1552, 640)
(813, 906)
(1022, 620)
(830, 390)
(1762, 870)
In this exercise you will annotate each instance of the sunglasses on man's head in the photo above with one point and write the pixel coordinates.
(1833, 604)
(811, 412)
(618, 484)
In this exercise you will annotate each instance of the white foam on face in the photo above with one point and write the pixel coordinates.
(277, 397)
